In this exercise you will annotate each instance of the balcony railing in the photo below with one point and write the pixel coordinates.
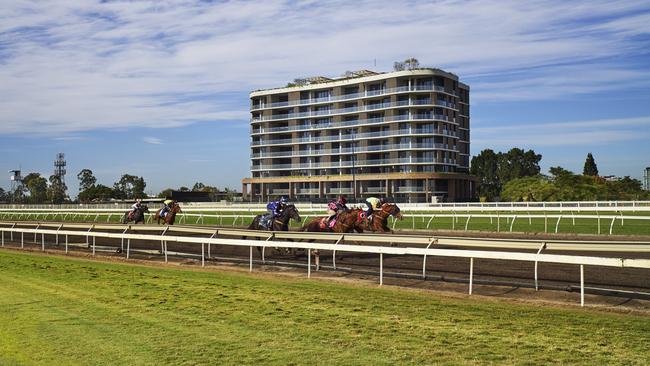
(344, 97)
(356, 136)
(349, 150)
(330, 112)
(357, 163)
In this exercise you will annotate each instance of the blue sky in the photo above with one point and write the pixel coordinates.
(159, 89)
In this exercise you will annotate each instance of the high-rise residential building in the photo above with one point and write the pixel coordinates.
(403, 135)
(646, 179)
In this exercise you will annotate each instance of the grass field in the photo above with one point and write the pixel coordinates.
(75, 311)
(537, 225)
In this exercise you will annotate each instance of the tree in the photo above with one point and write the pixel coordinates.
(165, 193)
(129, 187)
(86, 179)
(411, 63)
(398, 66)
(484, 166)
(36, 186)
(97, 192)
(198, 187)
(590, 166)
(4, 197)
(517, 163)
(56, 192)
(529, 189)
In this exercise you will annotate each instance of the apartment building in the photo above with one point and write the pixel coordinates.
(403, 135)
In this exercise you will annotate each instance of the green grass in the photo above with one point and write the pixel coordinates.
(73, 311)
(538, 225)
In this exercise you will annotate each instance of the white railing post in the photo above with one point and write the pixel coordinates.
(471, 274)
(582, 285)
(381, 269)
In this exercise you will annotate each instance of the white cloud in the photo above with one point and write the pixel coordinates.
(82, 65)
(571, 133)
(152, 140)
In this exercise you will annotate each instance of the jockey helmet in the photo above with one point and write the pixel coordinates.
(283, 200)
(332, 206)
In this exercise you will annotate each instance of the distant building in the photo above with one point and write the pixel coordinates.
(646, 179)
(611, 178)
(403, 135)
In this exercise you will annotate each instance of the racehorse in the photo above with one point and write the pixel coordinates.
(346, 222)
(170, 216)
(379, 219)
(135, 216)
(280, 223)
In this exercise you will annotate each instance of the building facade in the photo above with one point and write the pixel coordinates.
(646, 179)
(404, 135)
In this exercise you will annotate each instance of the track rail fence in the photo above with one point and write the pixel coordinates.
(459, 221)
(310, 248)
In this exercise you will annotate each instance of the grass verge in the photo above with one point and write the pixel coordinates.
(70, 311)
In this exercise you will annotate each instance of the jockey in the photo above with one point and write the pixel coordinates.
(135, 207)
(374, 203)
(275, 208)
(335, 207)
(168, 202)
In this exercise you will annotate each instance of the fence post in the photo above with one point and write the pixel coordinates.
(582, 285)
(128, 247)
(381, 269)
(309, 263)
(471, 274)
(250, 255)
(538, 251)
(202, 254)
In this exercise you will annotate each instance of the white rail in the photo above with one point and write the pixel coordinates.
(551, 220)
(380, 250)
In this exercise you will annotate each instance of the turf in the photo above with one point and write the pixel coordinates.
(567, 225)
(73, 311)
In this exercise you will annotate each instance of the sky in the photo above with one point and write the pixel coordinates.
(159, 89)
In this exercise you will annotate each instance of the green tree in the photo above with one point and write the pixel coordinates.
(96, 192)
(36, 186)
(165, 193)
(517, 163)
(590, 166)
(484, 166)
(86, 179)
(129, 187)
(56, 191)
(529, 189)
(4, 197)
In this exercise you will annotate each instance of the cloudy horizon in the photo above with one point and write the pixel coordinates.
(153, 87)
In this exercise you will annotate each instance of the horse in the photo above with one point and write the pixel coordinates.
(346, 222)
(170, 216)
(137, 216)
(280, 223)
(379, 220)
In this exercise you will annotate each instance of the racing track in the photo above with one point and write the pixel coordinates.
(402, 270)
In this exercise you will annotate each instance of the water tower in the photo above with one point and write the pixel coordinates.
(16, 181)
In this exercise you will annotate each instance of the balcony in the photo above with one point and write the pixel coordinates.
(357, 163)
(331, 112)
(346, 97)
(356, 136)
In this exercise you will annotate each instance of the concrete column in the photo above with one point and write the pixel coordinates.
(244, 191)
(427, 194)
(451, 190)
(321, 188)
(291, 187)
(263, 192)
(388, 192)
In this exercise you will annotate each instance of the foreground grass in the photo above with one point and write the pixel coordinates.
(70, 311)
